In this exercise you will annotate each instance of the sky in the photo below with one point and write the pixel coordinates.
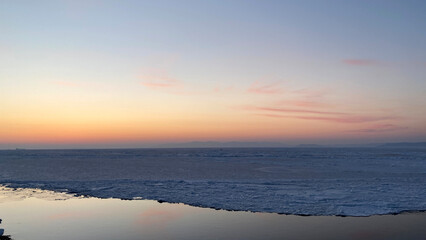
(141, 73)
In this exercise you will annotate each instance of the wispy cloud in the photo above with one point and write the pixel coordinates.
(265, 88)
(303, 103)
(291, 110)
(378, 128)
(343, 119)
(359, 62)
(317, 115)
(159, 79)
(160, 83)
(310, 104)
(347, 119)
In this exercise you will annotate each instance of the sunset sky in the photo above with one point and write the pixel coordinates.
(140, 73)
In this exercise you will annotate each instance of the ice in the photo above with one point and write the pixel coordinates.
(317, 181)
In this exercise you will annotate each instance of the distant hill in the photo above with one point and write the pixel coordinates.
(310, 146)
(213, 144)
(404, 145)
(238, 144)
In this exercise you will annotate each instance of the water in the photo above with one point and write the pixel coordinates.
(323, 181)
(32, 214)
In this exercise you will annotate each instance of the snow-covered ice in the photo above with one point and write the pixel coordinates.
(322, 181)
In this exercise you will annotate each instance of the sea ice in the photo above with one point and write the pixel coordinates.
(325, 181)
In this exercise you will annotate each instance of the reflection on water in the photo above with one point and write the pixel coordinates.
(36, 214)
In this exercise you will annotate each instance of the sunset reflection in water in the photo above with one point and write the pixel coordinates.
(36, 214)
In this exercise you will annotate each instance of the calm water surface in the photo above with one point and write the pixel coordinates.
(31, 214)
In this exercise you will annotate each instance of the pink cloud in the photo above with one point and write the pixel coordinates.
(306, 98)
(160, 83)
(291, 110)
(348, 119)
(270, 115)
(317, 115)
(359, 62)
(265, 88)
(303, 103)
(158, 79)
(380, 128)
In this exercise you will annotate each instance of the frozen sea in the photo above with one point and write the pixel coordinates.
(300, 181)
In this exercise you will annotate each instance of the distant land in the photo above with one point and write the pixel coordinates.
(215, 144)
(237, 144)
(310, 146)
(404, 145)
(220, 144)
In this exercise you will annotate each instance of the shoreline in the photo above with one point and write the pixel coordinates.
(73, 195)
(56, 215)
